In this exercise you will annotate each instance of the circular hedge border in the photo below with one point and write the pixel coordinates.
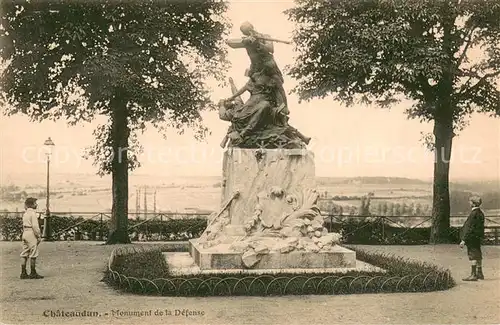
(412, 277)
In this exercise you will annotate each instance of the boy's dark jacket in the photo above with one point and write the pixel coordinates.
(473, 229)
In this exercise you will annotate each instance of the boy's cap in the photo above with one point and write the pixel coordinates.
(476, 200)
(30, 201)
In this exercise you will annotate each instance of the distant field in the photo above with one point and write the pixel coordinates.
(182, 197)
(378, 189)
(167, 199)
(90, 193)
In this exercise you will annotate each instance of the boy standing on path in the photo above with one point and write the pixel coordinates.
(472, 235)
(31, 238)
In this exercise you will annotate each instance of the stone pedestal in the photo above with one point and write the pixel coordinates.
(250, 171)
(268, 217)
(223, 257)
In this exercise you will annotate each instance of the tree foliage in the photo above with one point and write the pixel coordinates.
(72, 59)
(136, 63)
(442, 55)
(377, 50)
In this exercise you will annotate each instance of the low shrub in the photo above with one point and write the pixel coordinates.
(374, 231)
(79, 228)
(11, 228)
(151, 262)
(362, 231)
(145, 271)
(144, 261)
(167, 230)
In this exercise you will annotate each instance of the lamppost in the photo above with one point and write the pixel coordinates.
(49, 144)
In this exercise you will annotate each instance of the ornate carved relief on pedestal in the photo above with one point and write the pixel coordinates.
(253, 170)
(214, 233)
(282, 223)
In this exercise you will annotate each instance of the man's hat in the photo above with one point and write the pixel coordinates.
(30, 201)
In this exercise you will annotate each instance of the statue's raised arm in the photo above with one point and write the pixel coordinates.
(252, 39)
(235, 43)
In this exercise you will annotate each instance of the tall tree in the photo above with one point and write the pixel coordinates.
(138, 63)
(382, 51)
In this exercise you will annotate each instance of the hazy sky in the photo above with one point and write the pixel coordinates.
(355, 141)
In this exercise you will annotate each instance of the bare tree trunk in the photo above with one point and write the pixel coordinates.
(443, 133)
(119, 171)
(440, 231)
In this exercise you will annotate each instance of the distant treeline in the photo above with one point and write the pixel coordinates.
(358, 197)
(368, 180)
(367, 207)
(459, 202)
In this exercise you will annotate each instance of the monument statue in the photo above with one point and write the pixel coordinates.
(260, 49)
(268, 218)
(262, 121)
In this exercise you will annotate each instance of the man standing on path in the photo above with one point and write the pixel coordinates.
(472, 235)
(31, 238)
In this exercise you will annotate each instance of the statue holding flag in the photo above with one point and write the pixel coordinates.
(262, 121)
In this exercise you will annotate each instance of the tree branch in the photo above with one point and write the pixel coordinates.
(466, 48)
(478, 84)
(486, 76)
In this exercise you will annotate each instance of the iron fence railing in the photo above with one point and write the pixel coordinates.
(411, 221)
(98, 222)
(354, 223)
(405, 224)
(131, 215)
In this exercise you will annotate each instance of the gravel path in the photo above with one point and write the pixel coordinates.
(73, 271)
